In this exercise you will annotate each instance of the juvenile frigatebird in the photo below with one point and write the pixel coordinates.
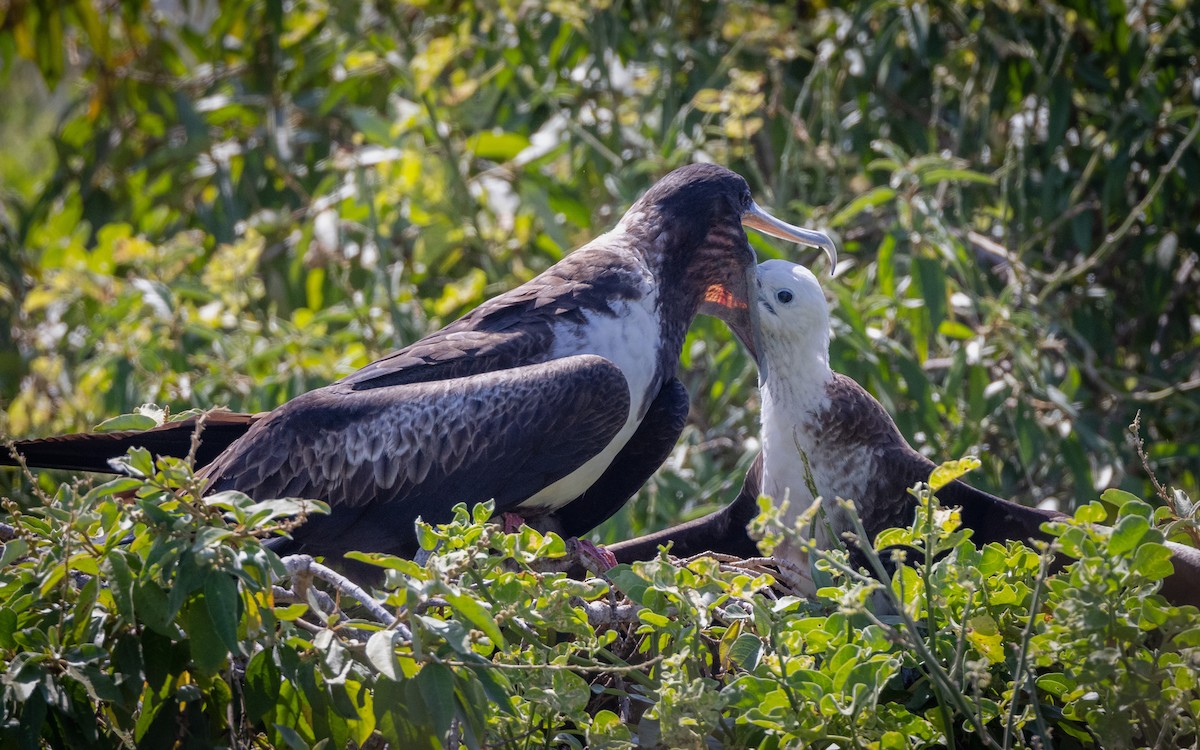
(818, 420)
(557, 399)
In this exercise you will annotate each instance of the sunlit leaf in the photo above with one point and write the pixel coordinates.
(948, 471)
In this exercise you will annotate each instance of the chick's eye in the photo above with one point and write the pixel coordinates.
(784, 296)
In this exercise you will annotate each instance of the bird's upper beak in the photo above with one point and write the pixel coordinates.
(741, 313)
(767, 224)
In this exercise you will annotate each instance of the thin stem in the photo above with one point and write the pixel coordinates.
(1113, 239)
(1020, 672)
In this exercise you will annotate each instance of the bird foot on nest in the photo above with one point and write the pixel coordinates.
(582, 558)
(591, 555)
(580, 552)
(511, 523)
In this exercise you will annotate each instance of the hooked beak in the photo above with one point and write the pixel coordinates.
(741, 315)
(767, 224)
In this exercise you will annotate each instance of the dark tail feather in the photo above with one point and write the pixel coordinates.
(91, 451)
(996, 520)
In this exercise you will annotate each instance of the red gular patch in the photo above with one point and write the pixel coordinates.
(719, 295)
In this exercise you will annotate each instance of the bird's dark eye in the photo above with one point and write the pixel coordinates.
(784, 296)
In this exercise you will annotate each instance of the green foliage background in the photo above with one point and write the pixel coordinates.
(229, 203)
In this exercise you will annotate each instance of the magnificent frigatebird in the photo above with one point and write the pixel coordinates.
(820, 421)
(557, 399)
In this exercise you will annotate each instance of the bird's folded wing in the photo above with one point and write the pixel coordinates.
(637, 461)
(512, 329)
(456, 351)
(400, 452)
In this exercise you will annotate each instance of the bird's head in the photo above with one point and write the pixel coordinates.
(793, 318)
(691, 226)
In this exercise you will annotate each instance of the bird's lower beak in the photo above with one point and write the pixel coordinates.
(764, 222)
(740, 314)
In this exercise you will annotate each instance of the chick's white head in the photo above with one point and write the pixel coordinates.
(793, 316)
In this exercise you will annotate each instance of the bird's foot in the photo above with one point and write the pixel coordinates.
(591, 555)
(511, 523)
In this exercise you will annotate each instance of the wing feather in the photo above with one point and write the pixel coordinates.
(501, 435)
(515, 327)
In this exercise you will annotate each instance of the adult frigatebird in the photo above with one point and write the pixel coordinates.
(816, 418)
(213, 432)
(557, 399)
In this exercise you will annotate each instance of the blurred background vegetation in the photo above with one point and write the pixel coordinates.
(228, 203)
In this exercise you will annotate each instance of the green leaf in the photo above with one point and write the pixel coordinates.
(152, 606)
(261, 685)
(633, 585)
(934, 176)
(1093, 512)
(290, 612)
(381, 654)
(452, 631)
(478, 615)
(1153, 561)
(8, 627)
(395, 704)
(497, 146)
(361, 722)
(749, 690)
(876, 196)
(125, 422)
(426, 536)
(951, 470)
(570, 691)
(208, 652)
(908, 587)
(389, 562)
(13, 550)
(746, 651)
(653, 618)
(436, 683)
(1126, 534)
(1055, 683)
(99, 685)
(607, 730)
(955, 330)
(481, 512)
(984, 635)
(114, 487)
(137, 462)
(223, 604)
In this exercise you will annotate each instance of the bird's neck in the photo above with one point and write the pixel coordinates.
(794, 397)
(797, 382)
(648, 239)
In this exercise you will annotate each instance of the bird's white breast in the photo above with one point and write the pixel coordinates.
(630, 340)
(795, 463)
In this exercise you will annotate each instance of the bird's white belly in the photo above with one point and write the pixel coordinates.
(785, 476)
(788, 476)
(630, 340)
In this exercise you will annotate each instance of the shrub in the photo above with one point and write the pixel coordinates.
(141, 614)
